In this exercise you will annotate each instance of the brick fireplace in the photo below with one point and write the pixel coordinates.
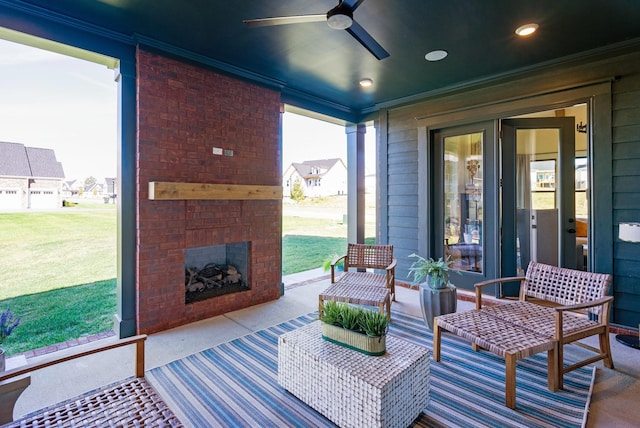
(186, 113)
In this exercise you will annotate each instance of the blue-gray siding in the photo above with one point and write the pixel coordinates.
(401, 178)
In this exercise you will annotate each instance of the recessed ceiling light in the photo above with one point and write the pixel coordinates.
(436, 55)
(366, 82)
(526, 29)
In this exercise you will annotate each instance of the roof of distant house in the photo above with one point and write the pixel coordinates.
(17, 160)
(317, 167)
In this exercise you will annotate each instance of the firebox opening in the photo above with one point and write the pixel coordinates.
(216, 270)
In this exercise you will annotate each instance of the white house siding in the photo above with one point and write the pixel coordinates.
(12, 192)
(16, 195)
(334, 182)
(10, 199)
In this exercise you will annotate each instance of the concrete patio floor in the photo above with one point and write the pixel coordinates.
(614, 402)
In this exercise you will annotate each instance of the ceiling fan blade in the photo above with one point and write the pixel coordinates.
(284, 20)
(365, 39)
(353, 4)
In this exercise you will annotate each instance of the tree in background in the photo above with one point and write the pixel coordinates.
(297, 193)
(89, 181)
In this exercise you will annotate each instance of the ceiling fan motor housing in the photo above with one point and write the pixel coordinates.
(340, 17)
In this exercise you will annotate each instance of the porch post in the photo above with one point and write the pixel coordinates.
(355, 183)
(125, 318)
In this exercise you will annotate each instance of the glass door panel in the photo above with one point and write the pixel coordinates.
(538, 174)
(463, 197)
(465, 203)
(536, 196)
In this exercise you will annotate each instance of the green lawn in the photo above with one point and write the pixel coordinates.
(58, 269)
(59, 281)
(308, 242)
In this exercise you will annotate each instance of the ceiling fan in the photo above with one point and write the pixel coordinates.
(338, 18)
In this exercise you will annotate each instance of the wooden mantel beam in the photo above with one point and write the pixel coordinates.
(164, 190)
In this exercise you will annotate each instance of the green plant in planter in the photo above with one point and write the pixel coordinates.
(374, 323)
(7, 324)
(332, 313)
(365, 321)
(435, 271)
(351, 318)
(333, 259)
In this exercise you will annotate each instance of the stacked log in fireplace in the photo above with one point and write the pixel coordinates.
(212, 280)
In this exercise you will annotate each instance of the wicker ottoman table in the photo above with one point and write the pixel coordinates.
(353, 389)
(504, 339)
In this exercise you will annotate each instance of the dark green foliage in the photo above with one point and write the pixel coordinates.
(355, 318)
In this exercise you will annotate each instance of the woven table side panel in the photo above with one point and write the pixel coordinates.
(565, 286)
(539, 319)
(357, 294)
(133, 403)
(369, 256)
(495, 335)
(352, 389)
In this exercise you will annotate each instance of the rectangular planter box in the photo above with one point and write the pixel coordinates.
(368, 345)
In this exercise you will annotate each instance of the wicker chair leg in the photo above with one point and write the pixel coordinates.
(388, 304)
(552, 369)
(560, 366)
(320, 306)
(510, 381)
(437, 337)
(605, 348)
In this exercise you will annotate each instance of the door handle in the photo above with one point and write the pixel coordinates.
(571, 230)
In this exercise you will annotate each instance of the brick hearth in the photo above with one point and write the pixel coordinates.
(184, 112)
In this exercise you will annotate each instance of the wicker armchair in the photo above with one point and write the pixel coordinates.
(359, 286)
(557, 306)
(132, 402)
(576, 306)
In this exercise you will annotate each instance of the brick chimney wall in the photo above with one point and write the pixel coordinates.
(183, 112)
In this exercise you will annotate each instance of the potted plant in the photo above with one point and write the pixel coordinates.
(363, 330)
(7, 324)
(436, 272)
(437, 295)
(333, 260)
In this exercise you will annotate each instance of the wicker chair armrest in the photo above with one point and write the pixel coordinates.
(603, 301)
(92, 349)
(393, 264)
(498, 281)
(480, 285)
(603, 316)
(333, 267)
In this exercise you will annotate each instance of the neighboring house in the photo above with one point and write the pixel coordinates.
(94, 190)
(30, 177)
(323, 177)
(70, 188)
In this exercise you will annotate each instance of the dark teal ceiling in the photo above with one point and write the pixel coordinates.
(318, 66)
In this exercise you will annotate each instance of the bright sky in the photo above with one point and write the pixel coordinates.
(53, 101)
(304, 139)
(62, 103)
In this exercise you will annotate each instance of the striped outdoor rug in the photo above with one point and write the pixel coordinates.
(235, 385)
